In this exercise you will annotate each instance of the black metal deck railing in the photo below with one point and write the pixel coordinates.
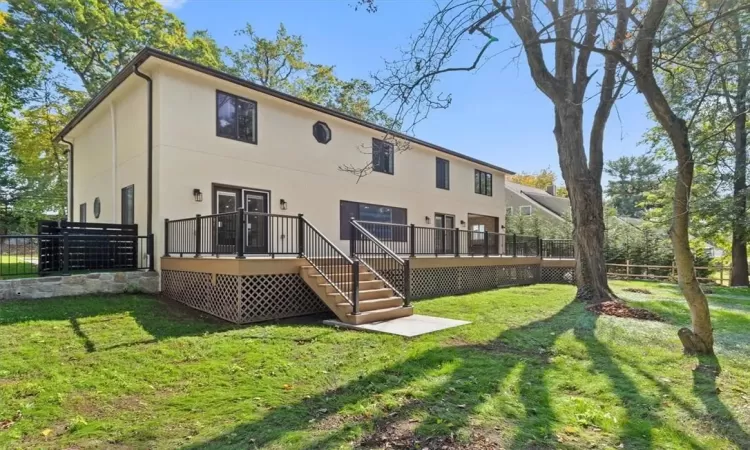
(557, 249)
(238, 233)
(380, 260)
(412, 240)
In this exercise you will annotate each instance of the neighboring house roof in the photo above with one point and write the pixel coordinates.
(148, 52)
(558, 206)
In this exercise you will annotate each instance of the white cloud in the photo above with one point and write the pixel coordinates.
(172, 4)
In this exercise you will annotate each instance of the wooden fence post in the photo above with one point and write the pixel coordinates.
(721, 274)
(627, 268)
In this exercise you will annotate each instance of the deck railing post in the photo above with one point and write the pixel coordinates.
(166, 237)
(539, 247)
(355, 287)
(486, 243)
(456, 242)
(239, 241)
(150, 250)
(515, 249)
(352, 238)
(197, 235)
(300, 235)
(66, 254)
(407, 283)
(412, 241)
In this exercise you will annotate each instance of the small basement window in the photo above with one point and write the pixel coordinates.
(525, 210)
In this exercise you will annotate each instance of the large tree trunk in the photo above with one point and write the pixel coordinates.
(587, 209)
(739, 216)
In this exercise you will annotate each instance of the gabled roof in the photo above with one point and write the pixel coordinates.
(148, 52)
(558, 206)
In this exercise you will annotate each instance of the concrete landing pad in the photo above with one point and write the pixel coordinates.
(413, 325)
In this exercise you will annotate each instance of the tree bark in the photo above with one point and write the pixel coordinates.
(739, 275)
(700, 339)
(585, 193)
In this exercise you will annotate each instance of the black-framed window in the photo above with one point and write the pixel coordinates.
(482, 183)
(442, 173)
(373, 213)
(236, 118)
(127, 205)
(82, 212)
(382, 156)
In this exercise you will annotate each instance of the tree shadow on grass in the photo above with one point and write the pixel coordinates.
(465, 378)
(158, 317)
(705, 387)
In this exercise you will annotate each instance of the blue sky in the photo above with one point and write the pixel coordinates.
(497, 114)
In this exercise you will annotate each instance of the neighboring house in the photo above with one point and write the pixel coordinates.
(169, 139)
(526, 200)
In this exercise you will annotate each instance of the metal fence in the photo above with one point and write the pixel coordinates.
(238, 233)
(31, 255)
(415, 240)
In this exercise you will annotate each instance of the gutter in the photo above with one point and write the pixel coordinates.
(150, 158)
(70, 172)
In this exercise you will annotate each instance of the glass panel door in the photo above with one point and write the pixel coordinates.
(444, 233)
(257, 225)
(225, 237)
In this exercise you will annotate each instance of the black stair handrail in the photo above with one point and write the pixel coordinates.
(391, 255)
(322, 243)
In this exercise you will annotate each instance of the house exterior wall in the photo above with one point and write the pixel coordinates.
(292, 165)
(111, 153)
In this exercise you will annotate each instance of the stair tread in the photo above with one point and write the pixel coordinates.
(361, 290)
(382, 311)
(372, 300)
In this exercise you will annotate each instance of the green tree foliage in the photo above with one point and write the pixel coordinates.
(540, 180)
(280, 64)
(96, 38)
(537, 225)
(633, 177)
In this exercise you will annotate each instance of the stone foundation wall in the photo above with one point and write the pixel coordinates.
(83, 284)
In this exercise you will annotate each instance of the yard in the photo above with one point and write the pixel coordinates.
(533, 371)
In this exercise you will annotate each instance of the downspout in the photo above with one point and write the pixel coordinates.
(149, 174)
(70, 174)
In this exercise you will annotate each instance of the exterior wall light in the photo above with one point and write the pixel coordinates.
(427, 220)
(282, 204)
(463, 223)
(197, 195)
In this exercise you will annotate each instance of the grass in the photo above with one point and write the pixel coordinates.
(533, 370)
(12, 266)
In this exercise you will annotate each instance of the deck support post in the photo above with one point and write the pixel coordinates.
(300, 235)
(166, 237)
(515, 249)
(456, 241)
(412, 241)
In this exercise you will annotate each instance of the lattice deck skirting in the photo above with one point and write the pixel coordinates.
(439, 281)
(558, 275)
(242, 298)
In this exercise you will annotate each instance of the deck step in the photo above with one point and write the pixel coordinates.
(312, 269)
(363, 285)
(363, 276)
(380, 315)
(373, 304)
(370, 294)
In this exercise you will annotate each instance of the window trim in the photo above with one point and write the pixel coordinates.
(447, 186)
(523, 208)
(123, 204)
(254, 141)
(392, 166)
(478, 188)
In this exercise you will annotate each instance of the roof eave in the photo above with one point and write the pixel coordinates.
(148, 52)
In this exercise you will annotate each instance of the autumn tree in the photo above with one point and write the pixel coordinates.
(540, 180)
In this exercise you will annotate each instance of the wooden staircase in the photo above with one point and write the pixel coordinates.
(377, 302)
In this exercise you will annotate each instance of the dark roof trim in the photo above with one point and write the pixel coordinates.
(148, 52)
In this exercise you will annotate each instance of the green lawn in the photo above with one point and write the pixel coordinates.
(12, 266)
(534, 370)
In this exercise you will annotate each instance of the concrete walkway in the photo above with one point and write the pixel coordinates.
(410, 326)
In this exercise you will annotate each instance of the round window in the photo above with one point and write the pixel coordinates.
(322, 132)
(97, 207)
